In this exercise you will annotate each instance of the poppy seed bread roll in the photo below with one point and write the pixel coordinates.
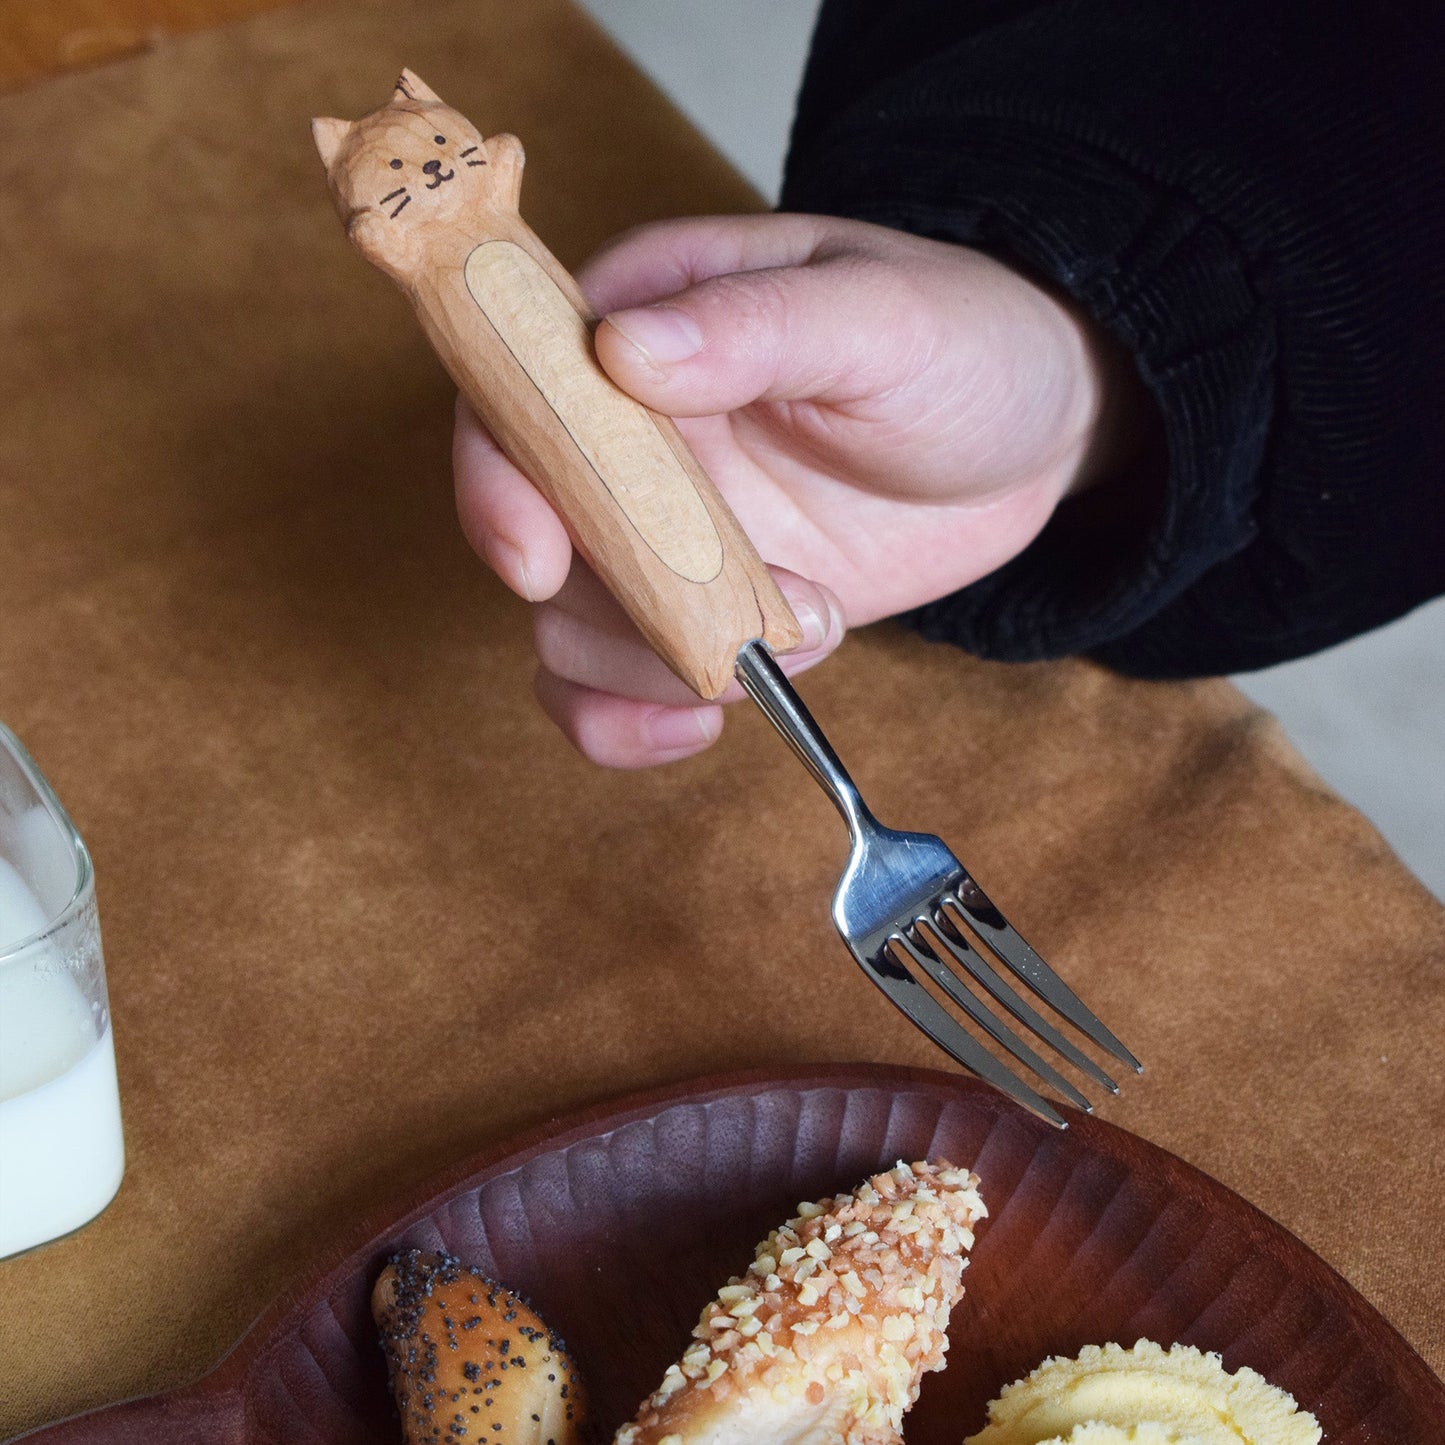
(469, 1360)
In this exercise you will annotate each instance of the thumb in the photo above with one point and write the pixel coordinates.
(837, 330)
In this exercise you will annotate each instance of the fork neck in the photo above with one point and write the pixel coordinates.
(763, 681)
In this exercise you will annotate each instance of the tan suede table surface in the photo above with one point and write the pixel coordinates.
(291, 714)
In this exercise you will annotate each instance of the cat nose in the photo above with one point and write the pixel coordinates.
(432, 167)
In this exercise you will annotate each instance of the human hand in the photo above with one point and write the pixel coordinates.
(890, 418)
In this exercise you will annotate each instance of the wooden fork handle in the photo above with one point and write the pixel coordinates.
(517, 339)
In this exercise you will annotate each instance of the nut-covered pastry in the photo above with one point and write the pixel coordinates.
(1147, 1393)
(469, 1360)
(825, 1339)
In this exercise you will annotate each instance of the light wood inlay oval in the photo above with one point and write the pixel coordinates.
(617, 435)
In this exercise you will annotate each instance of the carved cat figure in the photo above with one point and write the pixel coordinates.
(415, 180)
(432, 203)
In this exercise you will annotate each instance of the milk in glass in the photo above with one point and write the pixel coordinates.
(61, 1155)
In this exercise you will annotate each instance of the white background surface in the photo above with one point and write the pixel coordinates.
(1368, 715)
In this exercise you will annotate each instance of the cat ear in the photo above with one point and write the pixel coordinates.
(328, 133)
(413, 87)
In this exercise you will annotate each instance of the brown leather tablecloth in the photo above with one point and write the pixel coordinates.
(365, 913)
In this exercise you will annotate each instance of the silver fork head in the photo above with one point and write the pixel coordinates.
(889, 909)
(898, 907)
(897, 885)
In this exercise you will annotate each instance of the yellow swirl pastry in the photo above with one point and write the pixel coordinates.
(1095, 1434)
(1144, 1396)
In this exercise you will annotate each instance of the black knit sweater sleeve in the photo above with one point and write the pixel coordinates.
(1250, 196)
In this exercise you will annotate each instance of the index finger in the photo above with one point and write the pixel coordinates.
(651, 262)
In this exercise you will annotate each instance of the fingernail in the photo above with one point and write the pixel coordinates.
(663, 334)
(510, 563)
(813, 623)
(671, 729)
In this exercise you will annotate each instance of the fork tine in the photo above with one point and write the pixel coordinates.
(1004, 940)
(918, 950)
(913, 1000)
(950, 936)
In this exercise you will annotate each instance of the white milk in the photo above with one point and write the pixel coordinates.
(20, 914)
(61, 1156)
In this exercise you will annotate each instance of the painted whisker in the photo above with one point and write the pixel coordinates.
(405, 202)
(391, 196)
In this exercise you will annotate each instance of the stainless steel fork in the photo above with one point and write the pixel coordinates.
(901, 901)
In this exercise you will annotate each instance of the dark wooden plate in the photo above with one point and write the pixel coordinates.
(622, 1222)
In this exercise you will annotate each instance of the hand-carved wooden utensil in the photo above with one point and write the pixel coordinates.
(433, 203)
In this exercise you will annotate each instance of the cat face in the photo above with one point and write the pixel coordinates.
(411, 166)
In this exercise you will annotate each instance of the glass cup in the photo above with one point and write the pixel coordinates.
(61, 1154)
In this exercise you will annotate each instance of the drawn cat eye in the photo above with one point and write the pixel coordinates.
(396, 165)
(441, 140)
